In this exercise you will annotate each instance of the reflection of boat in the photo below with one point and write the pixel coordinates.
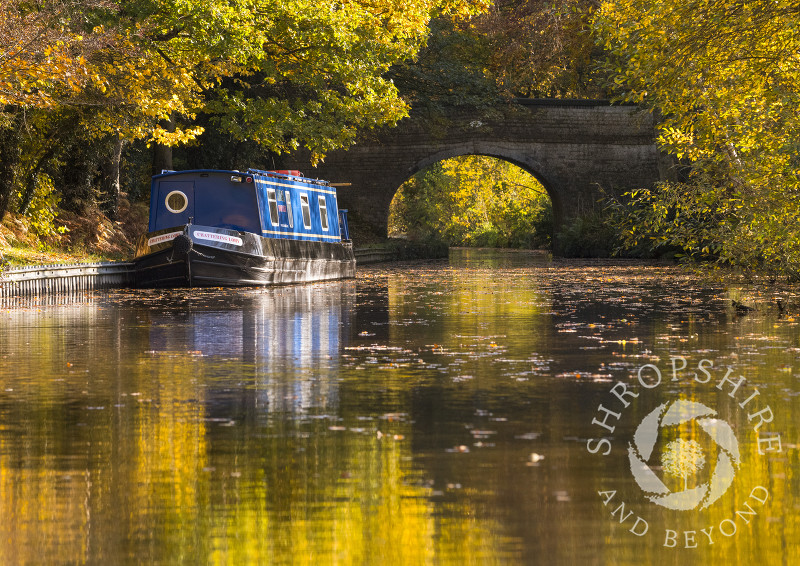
(287, 339)
(223, 228)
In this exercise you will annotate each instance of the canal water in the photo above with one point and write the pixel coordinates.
(493, 408)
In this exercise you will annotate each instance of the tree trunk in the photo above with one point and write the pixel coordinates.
(33, 178)
(9, 157)
(162, 154)
(111, 173)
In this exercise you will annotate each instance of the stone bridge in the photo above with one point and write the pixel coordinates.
(573, 147)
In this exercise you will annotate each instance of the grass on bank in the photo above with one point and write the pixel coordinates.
(74, 238)
(93, 237)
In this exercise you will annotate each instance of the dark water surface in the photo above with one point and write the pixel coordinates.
(428, 413)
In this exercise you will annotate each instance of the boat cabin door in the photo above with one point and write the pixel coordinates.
(175, 204)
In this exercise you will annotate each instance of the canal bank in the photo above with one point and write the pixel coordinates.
(65, 278)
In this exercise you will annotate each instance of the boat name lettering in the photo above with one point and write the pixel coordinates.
(163, 238)
(213, 236)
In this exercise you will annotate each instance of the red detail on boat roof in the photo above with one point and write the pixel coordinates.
(292, 172)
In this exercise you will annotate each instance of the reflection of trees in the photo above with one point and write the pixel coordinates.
(456, 311)
(134, 453)
(159, 443)
(764, 540)
(460, 311)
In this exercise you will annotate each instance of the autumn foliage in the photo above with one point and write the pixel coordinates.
(106, 73)
(90, 89)
(474, 201)
(725, 78)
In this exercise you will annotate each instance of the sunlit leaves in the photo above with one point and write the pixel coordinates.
(474, 200)
(541, 48)
(725, 77)
(720, 72)
(287, 74)
(43, 50)
(284, 74)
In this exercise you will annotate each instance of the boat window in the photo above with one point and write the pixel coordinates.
(273, 206)
(306, 211)
(323, 212)
(176, 202)
(289, 209)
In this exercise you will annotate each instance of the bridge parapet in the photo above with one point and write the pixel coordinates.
(573, 147)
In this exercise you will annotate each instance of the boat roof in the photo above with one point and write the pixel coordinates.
(251, 171)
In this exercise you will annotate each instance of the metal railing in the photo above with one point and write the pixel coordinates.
(377, 255)
(54, 279)
(47, 279)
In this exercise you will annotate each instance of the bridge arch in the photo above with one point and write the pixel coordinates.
(490, 148)
(572, 147)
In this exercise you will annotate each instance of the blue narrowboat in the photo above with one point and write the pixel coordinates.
(225, 228)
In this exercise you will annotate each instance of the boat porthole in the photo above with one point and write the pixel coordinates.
(176, 201)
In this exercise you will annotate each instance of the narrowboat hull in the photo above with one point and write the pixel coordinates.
(205, 256)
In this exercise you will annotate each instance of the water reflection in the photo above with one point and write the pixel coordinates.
(280, 341)
(431, 413)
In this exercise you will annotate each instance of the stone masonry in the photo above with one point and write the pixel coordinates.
(574, 148)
